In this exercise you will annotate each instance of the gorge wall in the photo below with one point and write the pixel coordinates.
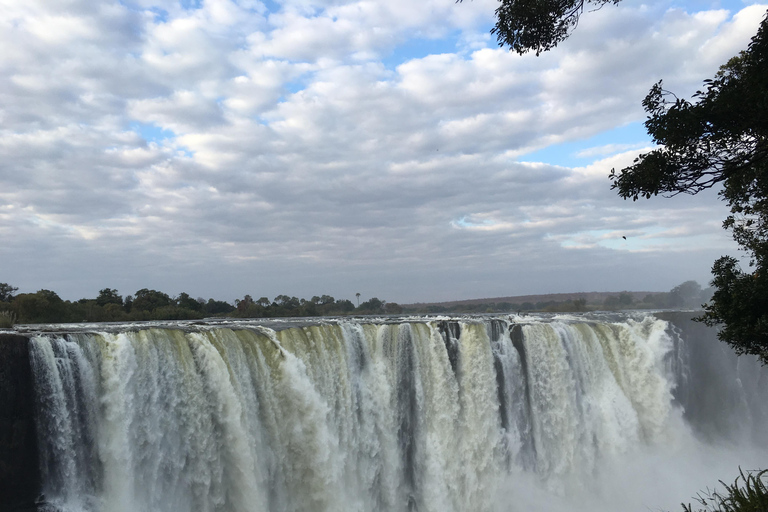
(19, 469)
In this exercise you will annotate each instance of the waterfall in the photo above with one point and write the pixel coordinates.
(467, 414)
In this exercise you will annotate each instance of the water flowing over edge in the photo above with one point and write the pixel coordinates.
(416, 414)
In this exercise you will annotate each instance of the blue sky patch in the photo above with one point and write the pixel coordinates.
(272, 6)
(151, 132)
(295, 86)
(585, 151)
(191, 4)
(161, 15)
(418, 48)
(465, 222)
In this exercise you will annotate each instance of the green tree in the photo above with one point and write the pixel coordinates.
(658, 300)
(685, 295)
(720, 138)
(244, 303)
(109, 296)
(43, 306)
(247, 308)
(215, 307)
(538, 25)
(393, 308)
(373, 305)
(323, 300)
(185, 301)
(611, 302)
(343, 306)
(287, 302)
(625, 299)
(6, 292)
(150, 300)
(113, 312)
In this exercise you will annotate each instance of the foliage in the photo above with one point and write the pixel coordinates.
(719, 139)
(150, 300)
(686, 295)
(285, 305)
(6, 292)
(740, 306)
(374, 305)
(7, 319)
(109, 296)
(184, 301)
(393, 308)
(538, 25)
(749, 496)
(217, 307)
(343, 306)
(43, 306)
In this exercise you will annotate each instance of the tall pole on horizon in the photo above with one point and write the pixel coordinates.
(358, 299)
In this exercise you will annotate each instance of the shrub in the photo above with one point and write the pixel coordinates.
(751, 497)
(7, 319)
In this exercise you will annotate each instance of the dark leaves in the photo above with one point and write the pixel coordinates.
(721, 138)
(538, 25)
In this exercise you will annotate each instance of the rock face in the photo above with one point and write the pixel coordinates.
(718, 390)
(19, 473)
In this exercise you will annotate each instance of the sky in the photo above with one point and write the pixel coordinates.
(308, 147)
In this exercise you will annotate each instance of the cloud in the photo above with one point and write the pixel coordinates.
(296, 160)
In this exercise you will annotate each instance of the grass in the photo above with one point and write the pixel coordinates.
(7, 319)
(748, 493)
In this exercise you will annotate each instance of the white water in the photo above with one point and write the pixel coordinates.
(427, 415)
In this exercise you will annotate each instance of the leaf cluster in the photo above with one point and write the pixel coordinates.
(538, 25)
(748, 493)
(719, 138)
(739, 306)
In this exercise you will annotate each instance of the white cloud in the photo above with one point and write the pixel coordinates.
(301, 162)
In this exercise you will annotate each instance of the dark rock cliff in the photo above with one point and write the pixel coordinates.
(19, 473)
(722, 394)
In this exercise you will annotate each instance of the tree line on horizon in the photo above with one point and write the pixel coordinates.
(45, 306)
(687, 295)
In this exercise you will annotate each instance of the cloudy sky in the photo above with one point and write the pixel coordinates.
(306, 147)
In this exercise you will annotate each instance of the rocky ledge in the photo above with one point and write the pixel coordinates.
(19, 473)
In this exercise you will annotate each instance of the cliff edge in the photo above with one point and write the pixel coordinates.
(19, 473)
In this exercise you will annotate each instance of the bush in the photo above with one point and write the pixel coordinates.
(751, 497)
(7, 319)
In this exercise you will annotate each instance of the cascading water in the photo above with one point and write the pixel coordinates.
(496, 414)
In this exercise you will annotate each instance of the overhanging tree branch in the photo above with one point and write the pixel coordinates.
(538, 25)
(719, 139)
